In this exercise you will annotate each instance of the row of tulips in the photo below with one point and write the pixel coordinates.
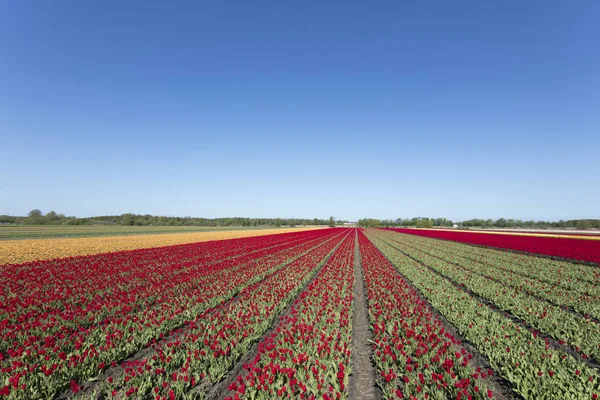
(545, 232)
(534, 368)
(581, 333)
(579, 300)
(87, 241)
(75, 284)
(571, 276)
(131, 298)
(558, 272)
(61, 296)
(415, 356)
(307, 355)
(577, 249)
(200, 355)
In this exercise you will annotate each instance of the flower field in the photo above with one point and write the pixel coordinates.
(594, 235)
(584, 249)
(413, 353)
(308, 352)
(535, 366)
(272, 316)
(19, 251)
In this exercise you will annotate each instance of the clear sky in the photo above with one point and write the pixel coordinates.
(392, 109)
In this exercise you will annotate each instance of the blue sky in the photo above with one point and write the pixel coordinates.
(392, 109)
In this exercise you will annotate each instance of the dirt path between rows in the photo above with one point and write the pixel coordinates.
(362, 381)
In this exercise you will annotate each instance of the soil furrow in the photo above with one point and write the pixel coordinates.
(362, 381)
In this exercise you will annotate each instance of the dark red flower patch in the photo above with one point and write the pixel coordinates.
(63, 321)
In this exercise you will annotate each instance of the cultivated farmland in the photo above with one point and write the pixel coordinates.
(18, 251)
(316, 314)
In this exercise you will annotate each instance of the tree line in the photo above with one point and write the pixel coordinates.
(36, 217)
(413, 222)
(420, 222)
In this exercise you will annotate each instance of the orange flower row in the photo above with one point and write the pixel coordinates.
(19, 251)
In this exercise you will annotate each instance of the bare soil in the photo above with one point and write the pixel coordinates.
(362, 381)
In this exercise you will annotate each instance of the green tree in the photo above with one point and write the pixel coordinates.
(369, 223)
(35, 213)
(582, 224)
(424, 223)
(331, 222)
(51, 217)
(501, 223)
(127, 219)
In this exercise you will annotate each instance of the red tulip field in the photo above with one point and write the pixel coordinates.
(575, 248)
(315, 314)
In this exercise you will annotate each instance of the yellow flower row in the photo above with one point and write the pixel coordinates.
(18, 251)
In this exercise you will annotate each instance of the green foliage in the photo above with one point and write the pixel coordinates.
(583, 224)
(35, 213)
(517, 223)
(416, 222)
(421, 222)
(35, 217)
(369, 223)
(424, 223)
(7, 219)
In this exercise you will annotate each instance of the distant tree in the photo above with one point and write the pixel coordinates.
(35, 213)
(127, 219)
(582, 224)
(500, 223)
(369, 223)
(331, 222)
(442, 222)
(7, 219)
(424, 223)
(139, 221)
